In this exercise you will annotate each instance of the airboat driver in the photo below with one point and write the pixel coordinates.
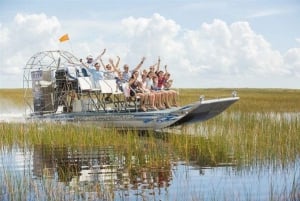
(90, 61)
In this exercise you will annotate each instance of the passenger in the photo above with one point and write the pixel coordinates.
(168, 82)
(97, 73)
(144, 73)
(126, 74)
(110, 73)
(157, 95)
(163, 95)
(160, 82)
(119, 81)
(161, 79)
(149, 95)
(155, 66)
(135, 90)
(167, 85)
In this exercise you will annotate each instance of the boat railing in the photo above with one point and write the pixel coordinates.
(68, 89)
(106, 95)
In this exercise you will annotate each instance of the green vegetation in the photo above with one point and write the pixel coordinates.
(262, 129)
(263, 125)
(252, 100)
(15, 96)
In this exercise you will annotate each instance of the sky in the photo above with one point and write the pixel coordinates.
(205, 44)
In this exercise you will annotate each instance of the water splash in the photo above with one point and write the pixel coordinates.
(11, 113)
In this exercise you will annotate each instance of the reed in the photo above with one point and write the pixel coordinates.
(245, 137)
(14, 96)
(257, 138)
(252, 100)
(261, 130)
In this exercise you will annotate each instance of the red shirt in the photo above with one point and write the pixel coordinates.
(161, 81)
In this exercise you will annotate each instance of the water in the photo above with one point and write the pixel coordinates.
(98, 173)
(102, 173)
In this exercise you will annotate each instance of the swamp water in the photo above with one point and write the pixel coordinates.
(172, 167)
(45, 173)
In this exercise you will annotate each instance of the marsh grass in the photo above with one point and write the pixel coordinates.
(14, 96)
(257, 138)
(260, 130)
(256, 127)
(252, 100)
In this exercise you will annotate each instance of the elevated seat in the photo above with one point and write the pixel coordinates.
(86, 84)
(87, 87)
(110, 93)
(109, 86)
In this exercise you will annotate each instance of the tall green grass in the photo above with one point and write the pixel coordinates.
(14, 96)
(260, 130)
(256, 127)
(252, 100)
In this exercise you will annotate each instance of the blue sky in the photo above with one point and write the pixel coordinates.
(234, 44)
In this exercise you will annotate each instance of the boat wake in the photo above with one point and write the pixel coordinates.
(12, 118)
(10, 113)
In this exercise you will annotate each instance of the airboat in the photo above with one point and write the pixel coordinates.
(57, 87)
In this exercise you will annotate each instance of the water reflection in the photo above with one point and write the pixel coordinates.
(103, 173)
(101, 166)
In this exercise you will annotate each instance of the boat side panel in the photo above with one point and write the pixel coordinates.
(206, 110)
(135, 120)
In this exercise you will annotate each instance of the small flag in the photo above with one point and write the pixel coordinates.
(64, 38)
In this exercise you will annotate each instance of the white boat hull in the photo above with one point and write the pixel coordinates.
(152, 120)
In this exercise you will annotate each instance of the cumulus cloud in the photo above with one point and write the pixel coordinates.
(292, 61)
(215, 50)
(26, 34)
(216, 54)
(152, 36)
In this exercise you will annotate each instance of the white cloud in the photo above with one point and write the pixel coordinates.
(3, 34)
(152, 37)
(268, 12)
(216, 54)
(292, 61)
(26, 35)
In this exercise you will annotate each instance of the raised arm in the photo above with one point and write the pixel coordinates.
(166, 71)
(117, 63)
(100, 55)
(114, 68)
(139, 65)
(99, 58)
(82, 63)
(158, 64)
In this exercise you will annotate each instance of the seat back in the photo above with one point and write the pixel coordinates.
(71, 72)
(85, 83)
(109, 86)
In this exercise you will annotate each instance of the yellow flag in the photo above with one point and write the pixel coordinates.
(64, 38)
